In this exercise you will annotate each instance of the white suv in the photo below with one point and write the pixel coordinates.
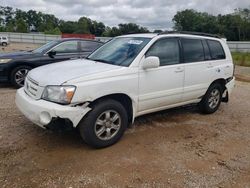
(4, 41)
(127, 77)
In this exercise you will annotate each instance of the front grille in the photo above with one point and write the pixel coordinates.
(32, 88)
(33, 81)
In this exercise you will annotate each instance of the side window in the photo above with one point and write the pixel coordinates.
(67, 47)
(192, 50)
(206, 50)
(216, 49)
(167, 50)
(89, 46)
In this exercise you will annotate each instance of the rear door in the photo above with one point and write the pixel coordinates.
(198, 68)
(163, 86)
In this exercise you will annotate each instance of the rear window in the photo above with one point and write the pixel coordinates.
(192, 50)
(216, 49)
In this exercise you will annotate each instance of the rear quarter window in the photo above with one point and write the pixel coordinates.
(216, 49)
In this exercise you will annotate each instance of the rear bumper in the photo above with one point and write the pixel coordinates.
(43, 113)
(230, 85)
(229, 88)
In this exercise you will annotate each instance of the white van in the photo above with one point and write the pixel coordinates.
(4, 41)
(127, 77)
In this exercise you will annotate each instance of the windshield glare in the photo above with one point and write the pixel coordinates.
(120, 51)
(45, 47)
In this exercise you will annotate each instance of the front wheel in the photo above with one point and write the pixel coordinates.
(212, 99)
(18, 76)
(105, 124)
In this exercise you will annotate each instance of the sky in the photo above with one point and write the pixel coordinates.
(153, 14)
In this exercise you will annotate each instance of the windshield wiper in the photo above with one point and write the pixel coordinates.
(103, 61)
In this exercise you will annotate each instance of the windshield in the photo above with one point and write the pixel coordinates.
(45, 47)
(120, 51)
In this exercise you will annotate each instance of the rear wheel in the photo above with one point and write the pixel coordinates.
(4, 44)
(212, 99)
(18, 76)
(105, 124)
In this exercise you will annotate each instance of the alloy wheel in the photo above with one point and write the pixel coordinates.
(107, 125)
(214, 98)
(20, 76)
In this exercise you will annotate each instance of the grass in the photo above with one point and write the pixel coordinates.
(241, 58)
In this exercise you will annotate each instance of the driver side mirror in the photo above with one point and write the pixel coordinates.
(151, 62)
(51, 54)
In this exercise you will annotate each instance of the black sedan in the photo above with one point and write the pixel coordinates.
(15, 66)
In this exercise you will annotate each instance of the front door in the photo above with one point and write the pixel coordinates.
(163, 86)
(65, 51)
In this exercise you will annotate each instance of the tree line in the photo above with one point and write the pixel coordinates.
(234, 26)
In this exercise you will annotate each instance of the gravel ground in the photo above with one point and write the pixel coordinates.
(173, 148)
(18, 47)
(242, 73)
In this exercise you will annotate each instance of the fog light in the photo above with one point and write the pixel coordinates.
(45, 118)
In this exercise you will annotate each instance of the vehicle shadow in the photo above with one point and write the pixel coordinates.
(72, 138)
(6, 85)
(177, 114)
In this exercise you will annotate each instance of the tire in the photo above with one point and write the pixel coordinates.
(212, 99)
(96, 126)
(18, 75)
(4, 44)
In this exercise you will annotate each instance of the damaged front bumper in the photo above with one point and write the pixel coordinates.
(44, 113)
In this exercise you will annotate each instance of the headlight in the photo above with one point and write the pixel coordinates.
(4, 61)
(59, 94)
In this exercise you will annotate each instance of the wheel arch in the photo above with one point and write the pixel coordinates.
(124, 99)
(18, 64)
(223, 83)
(220, 81)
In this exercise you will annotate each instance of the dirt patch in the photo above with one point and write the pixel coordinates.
(173, 148)
(242, 73)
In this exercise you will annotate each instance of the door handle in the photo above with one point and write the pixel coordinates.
(179, 69)
(210, 65)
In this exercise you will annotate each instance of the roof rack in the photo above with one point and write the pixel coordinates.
(190, 33)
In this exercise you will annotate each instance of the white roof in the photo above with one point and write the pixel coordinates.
(145, 35)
